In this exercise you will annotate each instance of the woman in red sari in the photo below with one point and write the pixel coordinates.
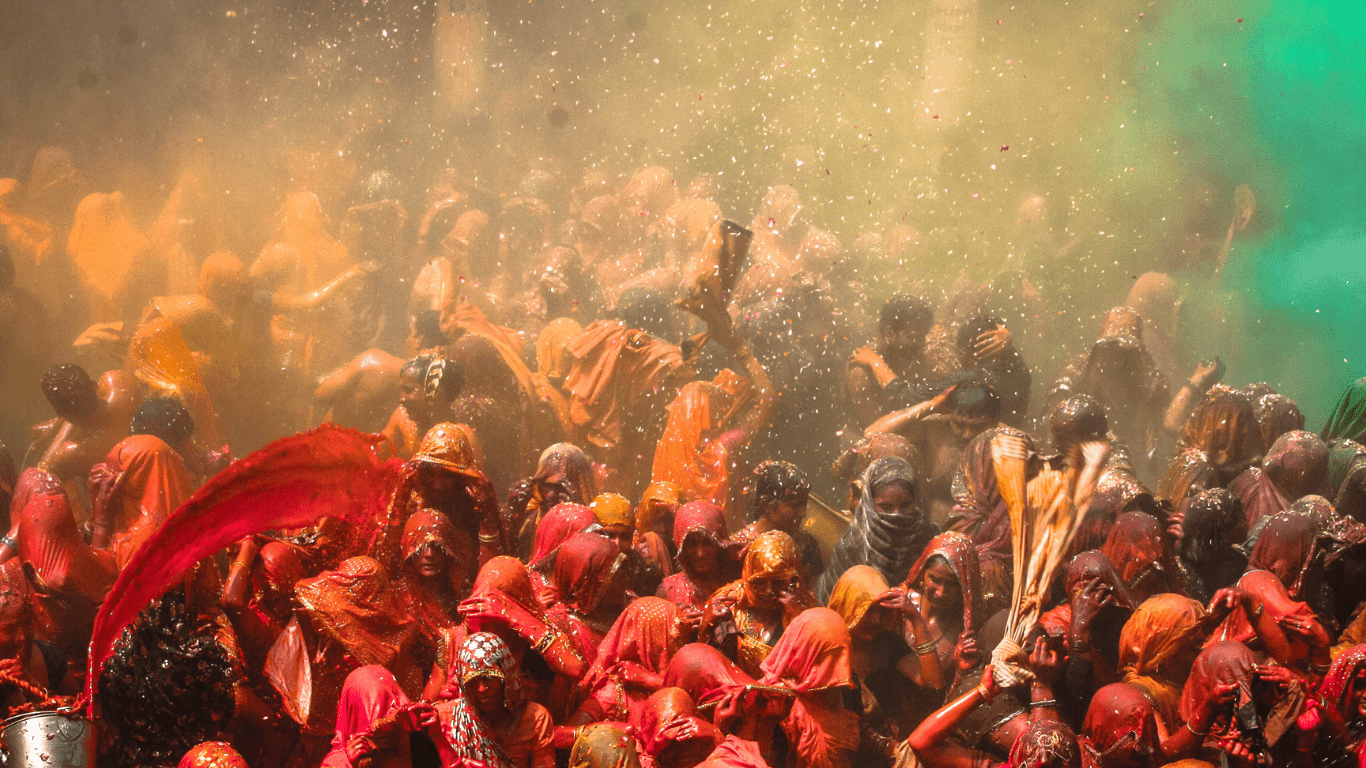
(137, 486)
(812, 659)
(590, 580)
(1141, 552)
(374, 718)
(630, 665)
(699, 531)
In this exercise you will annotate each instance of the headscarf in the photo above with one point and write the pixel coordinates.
(615, 367)
(812, 655)
(957, 550)
(1045, 744)
(890, 543)
(1349, 415)
(668, 718)
(355, 606)
(603, 746)
(613, 509)
(160, 358)
(369, 695)
(1220, 664)
(1276, 415)
(154, 483)
(705, 673)
(644, 635)
(482, 654)
(52, 545)
(695, 519)
(1220, 439)
(1120, 714)
(557, 527)
(1137, 545)
(1295, 466)
(688, 454)
(567, 464)
(1285, 547)
(552, 348)
(1338, 685)
(1162, 629)
(212, 754)
(855, 592)
(584, 566)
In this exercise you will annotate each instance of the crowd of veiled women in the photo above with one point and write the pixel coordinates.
(577, 525)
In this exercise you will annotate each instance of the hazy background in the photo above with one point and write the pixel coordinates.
(1134, 121)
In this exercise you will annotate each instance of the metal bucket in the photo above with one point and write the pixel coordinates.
(47, 740)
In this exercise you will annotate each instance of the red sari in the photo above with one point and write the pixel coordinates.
(644, 637)
(152, 484)
(812, 659)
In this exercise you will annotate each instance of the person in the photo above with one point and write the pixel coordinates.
(490, 723)
(137, 486)
(941, 428)
(630, 666)
(590, 579)
(427, 385)
(889, 529)
(672, 733)
(564, 474)
(1045, 743)
(699, 533)
(374, 718)
(781, 492)
(980, 513)
(1141, 552)
(90, 419)
(1209, 550)
(894, 368)
(1219, 440)
(746, 617)
(1295, 465)
(812, 660)
(944, 586)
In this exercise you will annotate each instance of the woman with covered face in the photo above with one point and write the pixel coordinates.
(487, 720)
(889, 529)
(746, 617)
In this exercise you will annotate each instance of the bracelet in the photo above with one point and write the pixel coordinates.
(490, 538)
(926, 648)
(986, 695)
(547, 640)
(1044, 703)
(1195, 732)
(11, 543)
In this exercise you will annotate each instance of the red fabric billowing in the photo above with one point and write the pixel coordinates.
(291, 483)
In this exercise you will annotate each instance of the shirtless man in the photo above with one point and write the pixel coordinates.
(940, 429)
(90, 419)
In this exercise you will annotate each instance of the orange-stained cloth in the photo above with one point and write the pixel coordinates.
(688, 454)
(1152, 645)
(615, 367)
(152, 482)
(644, 636)
(104, 245)
(160, 358)
(355, 606)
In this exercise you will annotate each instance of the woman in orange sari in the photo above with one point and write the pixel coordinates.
(137, 486)
(746, 617)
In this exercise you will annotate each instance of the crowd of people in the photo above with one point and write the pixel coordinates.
(581, 474)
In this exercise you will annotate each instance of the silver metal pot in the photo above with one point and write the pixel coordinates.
(47, 740)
